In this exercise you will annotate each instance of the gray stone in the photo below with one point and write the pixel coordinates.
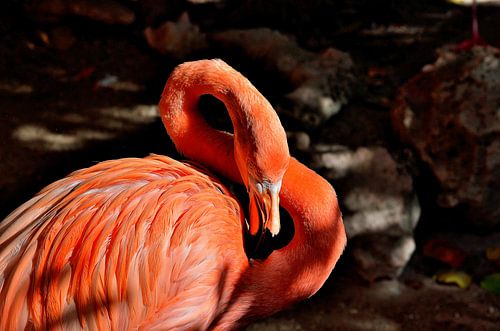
(450, 114)
(379, 206)
(380, 256)
(176, 39)
(323, 82)
(298, 140)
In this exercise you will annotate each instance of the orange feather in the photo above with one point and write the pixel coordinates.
(154, 243)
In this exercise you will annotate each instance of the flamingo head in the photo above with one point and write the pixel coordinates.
(262, 164)
(264, 206)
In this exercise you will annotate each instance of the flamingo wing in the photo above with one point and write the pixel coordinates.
(133, 243)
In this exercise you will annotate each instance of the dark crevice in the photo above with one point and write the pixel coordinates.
(260, 247)
(261, 250)
(215, 113)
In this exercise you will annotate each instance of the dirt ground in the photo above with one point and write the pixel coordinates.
(59, 114)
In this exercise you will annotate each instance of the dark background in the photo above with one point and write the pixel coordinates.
(79, 84)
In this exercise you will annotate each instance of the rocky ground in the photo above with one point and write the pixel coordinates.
(76, 89)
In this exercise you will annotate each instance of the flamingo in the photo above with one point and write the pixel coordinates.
(156, 244)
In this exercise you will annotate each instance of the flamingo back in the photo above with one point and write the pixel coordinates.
(130, 243)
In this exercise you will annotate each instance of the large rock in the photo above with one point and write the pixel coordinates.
(322, 82)
(450, 114)
(379, 206)
(178, 39)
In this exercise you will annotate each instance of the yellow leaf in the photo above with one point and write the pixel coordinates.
(459, 278)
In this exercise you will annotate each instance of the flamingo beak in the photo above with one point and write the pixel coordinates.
(264, 208)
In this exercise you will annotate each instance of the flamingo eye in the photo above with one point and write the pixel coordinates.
(259, 187)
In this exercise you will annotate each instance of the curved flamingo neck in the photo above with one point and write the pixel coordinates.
(247, 108)
(298, 270)
(318, 242)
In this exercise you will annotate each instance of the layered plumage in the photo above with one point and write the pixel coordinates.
(126, 243)
(157, 244)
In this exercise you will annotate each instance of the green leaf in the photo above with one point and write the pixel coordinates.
(491, 283)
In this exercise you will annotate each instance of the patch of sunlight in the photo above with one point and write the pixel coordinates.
(126, 86)
(16, 88)
(344, 161)
(100, 124)
(40, 137)
(274, 324)
(114, 83)
(381, 30)
(138, 114)
(386, 290)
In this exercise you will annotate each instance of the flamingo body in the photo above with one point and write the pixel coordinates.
(156, 244)
(122, 239)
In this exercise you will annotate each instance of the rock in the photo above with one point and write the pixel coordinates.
(298, 140)
(376, 192)
(176, 39)
(450, 114)
(106, 11)
(152, 12)
(322, 83)
(381, 256)
(380, 208)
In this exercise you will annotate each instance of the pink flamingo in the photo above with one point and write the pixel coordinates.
(156, 244)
